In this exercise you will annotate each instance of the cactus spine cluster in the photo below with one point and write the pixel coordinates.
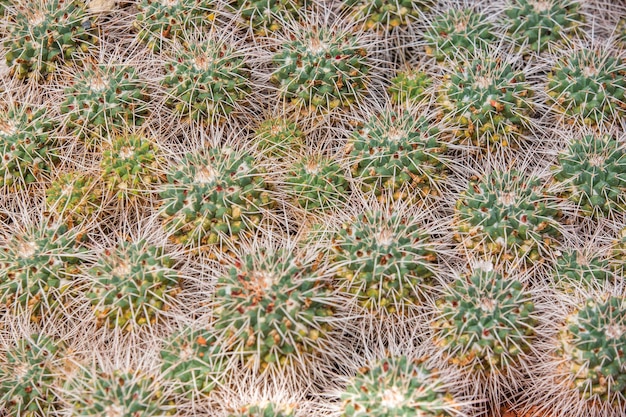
(409, 86)
(385, 15)
(575, 268)
(266, 409)
(278, 138)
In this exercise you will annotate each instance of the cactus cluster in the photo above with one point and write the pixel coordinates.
(409, 86)
(384, 15)
(265, 409)
(278, 138)
(73, 197)
(269, 16)
(575, 268)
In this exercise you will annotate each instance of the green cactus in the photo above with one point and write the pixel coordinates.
(588, 86)
(489, 100)
(618, 255)
(384, 15)
(508, 214)
(26, 148)
(409, 86)
(620, 32)
(192, 359)
(397, 387)
(74, 197)
(534, 25)
(385, 261)
(206, 80)
(485, 323)
(278, 138)
(591, 343)
(41, 34)
(456, 34)
(272, 310)
(214, 196)
(269, 16)
(266, 409)
(575, 268)
(592, 172)
(321, 70)
(397, 153)
(131, 285)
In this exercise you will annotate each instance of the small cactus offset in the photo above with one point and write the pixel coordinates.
(268, 16)
(278, 138)
(384, 15)
(43, 33)
(74, 197)
(575, 268)
(131, 284)
(266, 409)
(409, 86)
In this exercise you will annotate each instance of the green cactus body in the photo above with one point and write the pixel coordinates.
(269, 16)
(490, 102)
(589, 87)
(170, 19)
(592, 343)
(321, 70)
(279, 138)
(212, 196)
(25, 146)
(384, 15)
(397, 387)
(272, 310)
(73, 197)
(618, 255)
(206, 81)
(132, 283)
(397, 153)
(385, 261)
(485, 323)
(457, 33)
(536, 24)
(592, 171)
(193, 360)
(574, 268)
(104, 99)
(267, 409)
(28, 375)
(409, 86)
(41, 34)
(507, 214)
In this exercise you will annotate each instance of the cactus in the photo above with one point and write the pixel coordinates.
(269, 16)
(272, 310)
(507, 214)
(265, 409)
(397, 153)
(457, 33)
(29, 371)
(489, 100)
(575, 268)
(213, 196)
(485, 323)
(26, 152)
(385, 261)
(592, 172)
(73, 197)
(278, 138)
(588, 86)
(398, 386)
(103, 99)
(385, 15)
(534, 25)
(620, 32)
(43, 33)
(618, 255)
(321, 70)
(206, 80)
(131, 285)
(409, 86)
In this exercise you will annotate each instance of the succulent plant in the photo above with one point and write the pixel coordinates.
(321, 69)
(489, 100)
(485, 323)
(269, 16)
(26, 148)
(588, 86)
(618, 255)
(278, 138)
(213, 196)
(397, 153)
(383, 15)
(620, 31)
(131, 284)
(409, 86)
(206, 81)
(592, 171)
(103, 99)
(272, 310)
(41, 34)
(29, 371)
(265, 409)
(576, 268)
(457, 33)
(398, 386)
(508, 214)
(386, 261)
(73, 196)
(534, 25)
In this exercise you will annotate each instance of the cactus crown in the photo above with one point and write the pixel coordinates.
(573, 267)
(268, 16)
(278, 138)
(385, 15)
(409, 86)
(72, 196)
(266, 409)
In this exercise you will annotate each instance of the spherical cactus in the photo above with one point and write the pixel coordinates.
(397, 153)
(268, 16)
(592, 172)
(588, 87)
(321, 69)
(206, 81)
(266, 409)
(534, 25)
(103, 99)
(409, 86)
(489, 100)
(26, 147)
(485, 323)
(29, 371)
(386, 262)
(575, 268)
(385, 15)
(398, 386)
(43, 33)
(278, 138)
(457, 33)
(73, 196)
(508, 214)
(214, 196)
(273, 310)
(131, 284)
